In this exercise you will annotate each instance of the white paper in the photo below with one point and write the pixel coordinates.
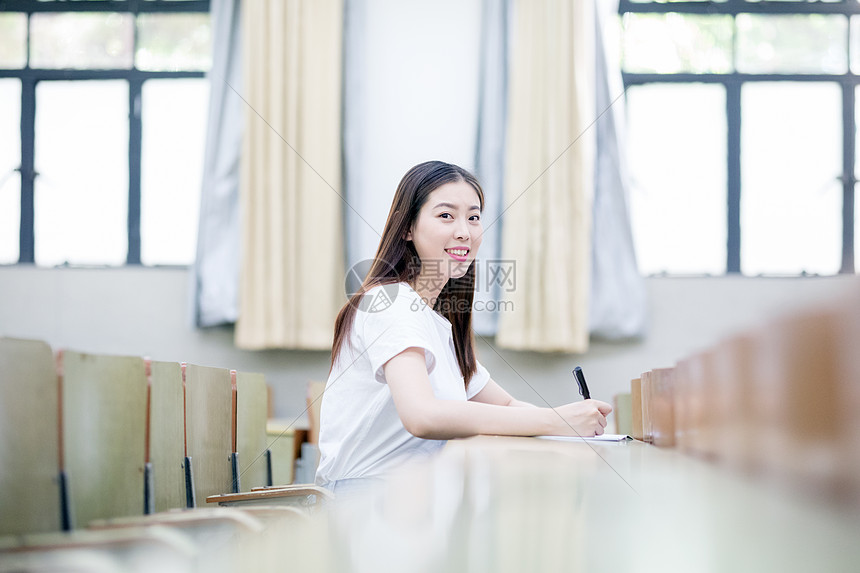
(601, 438)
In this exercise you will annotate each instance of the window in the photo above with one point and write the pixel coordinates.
(102, 125)
(742, 125)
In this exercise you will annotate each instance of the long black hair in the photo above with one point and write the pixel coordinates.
(397, 261)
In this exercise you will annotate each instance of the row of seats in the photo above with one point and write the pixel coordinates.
(780, 401)
(105, 458)
(206, 540)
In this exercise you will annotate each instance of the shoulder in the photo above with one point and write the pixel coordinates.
(395, 299)
(391, 319)
(394, 308)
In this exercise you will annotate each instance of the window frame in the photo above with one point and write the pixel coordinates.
(30, 77)
(733, 83)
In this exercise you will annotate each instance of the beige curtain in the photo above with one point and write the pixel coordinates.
(549, 176)
(291, 283)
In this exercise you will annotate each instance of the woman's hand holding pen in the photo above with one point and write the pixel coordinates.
(586, 418)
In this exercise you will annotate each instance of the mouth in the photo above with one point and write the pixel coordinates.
(458, 253)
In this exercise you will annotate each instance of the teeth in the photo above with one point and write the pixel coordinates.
(458, 252)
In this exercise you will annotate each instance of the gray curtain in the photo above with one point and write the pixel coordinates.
(215, 281)
(490, 159)
(618, 305)
(356, 227)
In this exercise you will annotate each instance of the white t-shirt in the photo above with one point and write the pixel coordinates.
(361, 434)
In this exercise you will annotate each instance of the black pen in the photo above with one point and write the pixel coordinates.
(580, 380)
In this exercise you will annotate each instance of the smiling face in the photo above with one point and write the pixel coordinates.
(446, 235)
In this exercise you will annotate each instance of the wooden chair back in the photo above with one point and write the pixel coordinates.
(848, 404)
(251, 416)
(663, 407)
(29, 438)
(699, 385)
(623, 413)
(796, 390)
(225, 540)
(120, 550)
(646, 392)
(281, 441)
(636, 408)
(166, 421)
(208, 431)
(681, 405)
(103, 434)
(735, 360)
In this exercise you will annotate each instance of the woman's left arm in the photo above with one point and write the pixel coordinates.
(492, 393)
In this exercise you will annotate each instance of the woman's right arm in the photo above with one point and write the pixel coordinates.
(426, 416)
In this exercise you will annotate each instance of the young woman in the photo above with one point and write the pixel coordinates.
(404, 376)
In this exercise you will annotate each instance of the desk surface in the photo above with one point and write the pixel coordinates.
(522, 504)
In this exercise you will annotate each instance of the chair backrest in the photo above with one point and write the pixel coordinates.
(735, 363)
(663, 407)
(623, 414)
(126, 550)
(796, 392)
(166, 421)
(29, 438)
(281, 442)
(682, 404)
(699, 415)
(645, 393)
(225, 539)
(251, 415)
(208, 429)
(636, 408)
(103, 434)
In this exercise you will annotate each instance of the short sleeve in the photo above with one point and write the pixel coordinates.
(478, 381)
(389, 332)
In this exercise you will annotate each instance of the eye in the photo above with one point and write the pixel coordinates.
(445, 215)
(475, 218)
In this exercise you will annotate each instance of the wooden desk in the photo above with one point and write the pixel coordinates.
(492, 504)
(523, 504)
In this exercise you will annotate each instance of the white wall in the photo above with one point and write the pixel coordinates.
(140, 311)
(144, 311)
(412, 96)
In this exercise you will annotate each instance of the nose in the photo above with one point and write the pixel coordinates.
(461, 232)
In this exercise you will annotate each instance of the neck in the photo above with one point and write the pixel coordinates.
(428, 288)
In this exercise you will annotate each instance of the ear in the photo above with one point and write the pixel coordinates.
(408, 236)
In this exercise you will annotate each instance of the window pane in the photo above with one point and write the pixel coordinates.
(13, 40)
(671, 43)
(792, 44)
(82, 159)
(678, 167)
(81, 40)
(791, 200)
(174, 131)
(171, 42)
(10, 159)
(855, 44)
